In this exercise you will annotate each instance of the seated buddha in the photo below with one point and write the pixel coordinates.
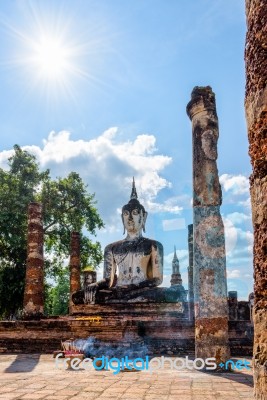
(130, 265)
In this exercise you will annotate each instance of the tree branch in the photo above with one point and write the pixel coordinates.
(55, 221)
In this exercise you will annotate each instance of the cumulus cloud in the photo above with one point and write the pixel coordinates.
(230, 235)
(4, 156)
(107, 164)
(233, 274)
(246, 203)
(238, 218)
(162, 207)
(237, 240)
(237, 184)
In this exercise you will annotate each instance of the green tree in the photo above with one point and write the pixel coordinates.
(57, 299)
(67, 207)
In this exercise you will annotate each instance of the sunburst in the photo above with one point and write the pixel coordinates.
(51, 57)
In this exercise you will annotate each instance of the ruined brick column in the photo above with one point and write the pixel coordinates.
(33, 303)
(75, 265)
(256, 115)
(210, 289)
(190, 274)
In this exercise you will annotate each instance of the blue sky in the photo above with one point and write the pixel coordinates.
(101, 87)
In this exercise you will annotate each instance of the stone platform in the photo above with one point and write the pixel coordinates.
(159, 328)
(147, 311)
(156, 328)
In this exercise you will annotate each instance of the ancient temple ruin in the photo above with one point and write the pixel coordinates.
(128, 307)
(140, 316)
(256, 116)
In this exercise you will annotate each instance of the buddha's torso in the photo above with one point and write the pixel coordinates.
(132, 259)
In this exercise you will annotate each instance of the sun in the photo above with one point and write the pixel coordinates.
(51, 57)
(52, 54)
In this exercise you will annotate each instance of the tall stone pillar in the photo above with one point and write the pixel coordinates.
(210, 289)
(190, 274)
(33, 302)
(256, 115)
(75, 265)
(233, 305)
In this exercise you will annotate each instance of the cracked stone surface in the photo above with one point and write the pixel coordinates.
(256, 116)
(209, 259)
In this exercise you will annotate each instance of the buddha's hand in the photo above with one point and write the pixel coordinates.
(90, 292)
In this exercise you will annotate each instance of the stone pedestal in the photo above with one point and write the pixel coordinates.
(145, 295)
(136, 311)
(139, 329)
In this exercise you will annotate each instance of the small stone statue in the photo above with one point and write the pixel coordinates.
(130, 264)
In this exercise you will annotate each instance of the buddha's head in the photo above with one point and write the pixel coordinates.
(134, 214)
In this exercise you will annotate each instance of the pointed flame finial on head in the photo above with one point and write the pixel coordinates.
(134, 193)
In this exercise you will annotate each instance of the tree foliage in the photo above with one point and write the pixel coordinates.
(67, 207)
(57, 298)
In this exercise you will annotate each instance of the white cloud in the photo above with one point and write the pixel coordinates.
(246, 203)
(107, 165)
(237, 184)
(230, 235)
(238, 218)
(4, 156)
(237, 238)
(162, 207)
(233, 274)
(171, 205)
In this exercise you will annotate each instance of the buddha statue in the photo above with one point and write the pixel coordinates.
(130, 264)
(133, 266)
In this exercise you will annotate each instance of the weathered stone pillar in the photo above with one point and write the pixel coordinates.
(256, 115)
(33, 303)
(233, 305)
(251, 305)
(210, 289)
(190, 274)
(75, 265)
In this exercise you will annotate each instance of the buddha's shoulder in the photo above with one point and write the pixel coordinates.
(113, 245)
(153, 243)
(142, 242)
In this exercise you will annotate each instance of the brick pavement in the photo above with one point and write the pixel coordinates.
(29, 377)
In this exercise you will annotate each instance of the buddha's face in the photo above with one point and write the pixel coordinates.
(133, 220)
